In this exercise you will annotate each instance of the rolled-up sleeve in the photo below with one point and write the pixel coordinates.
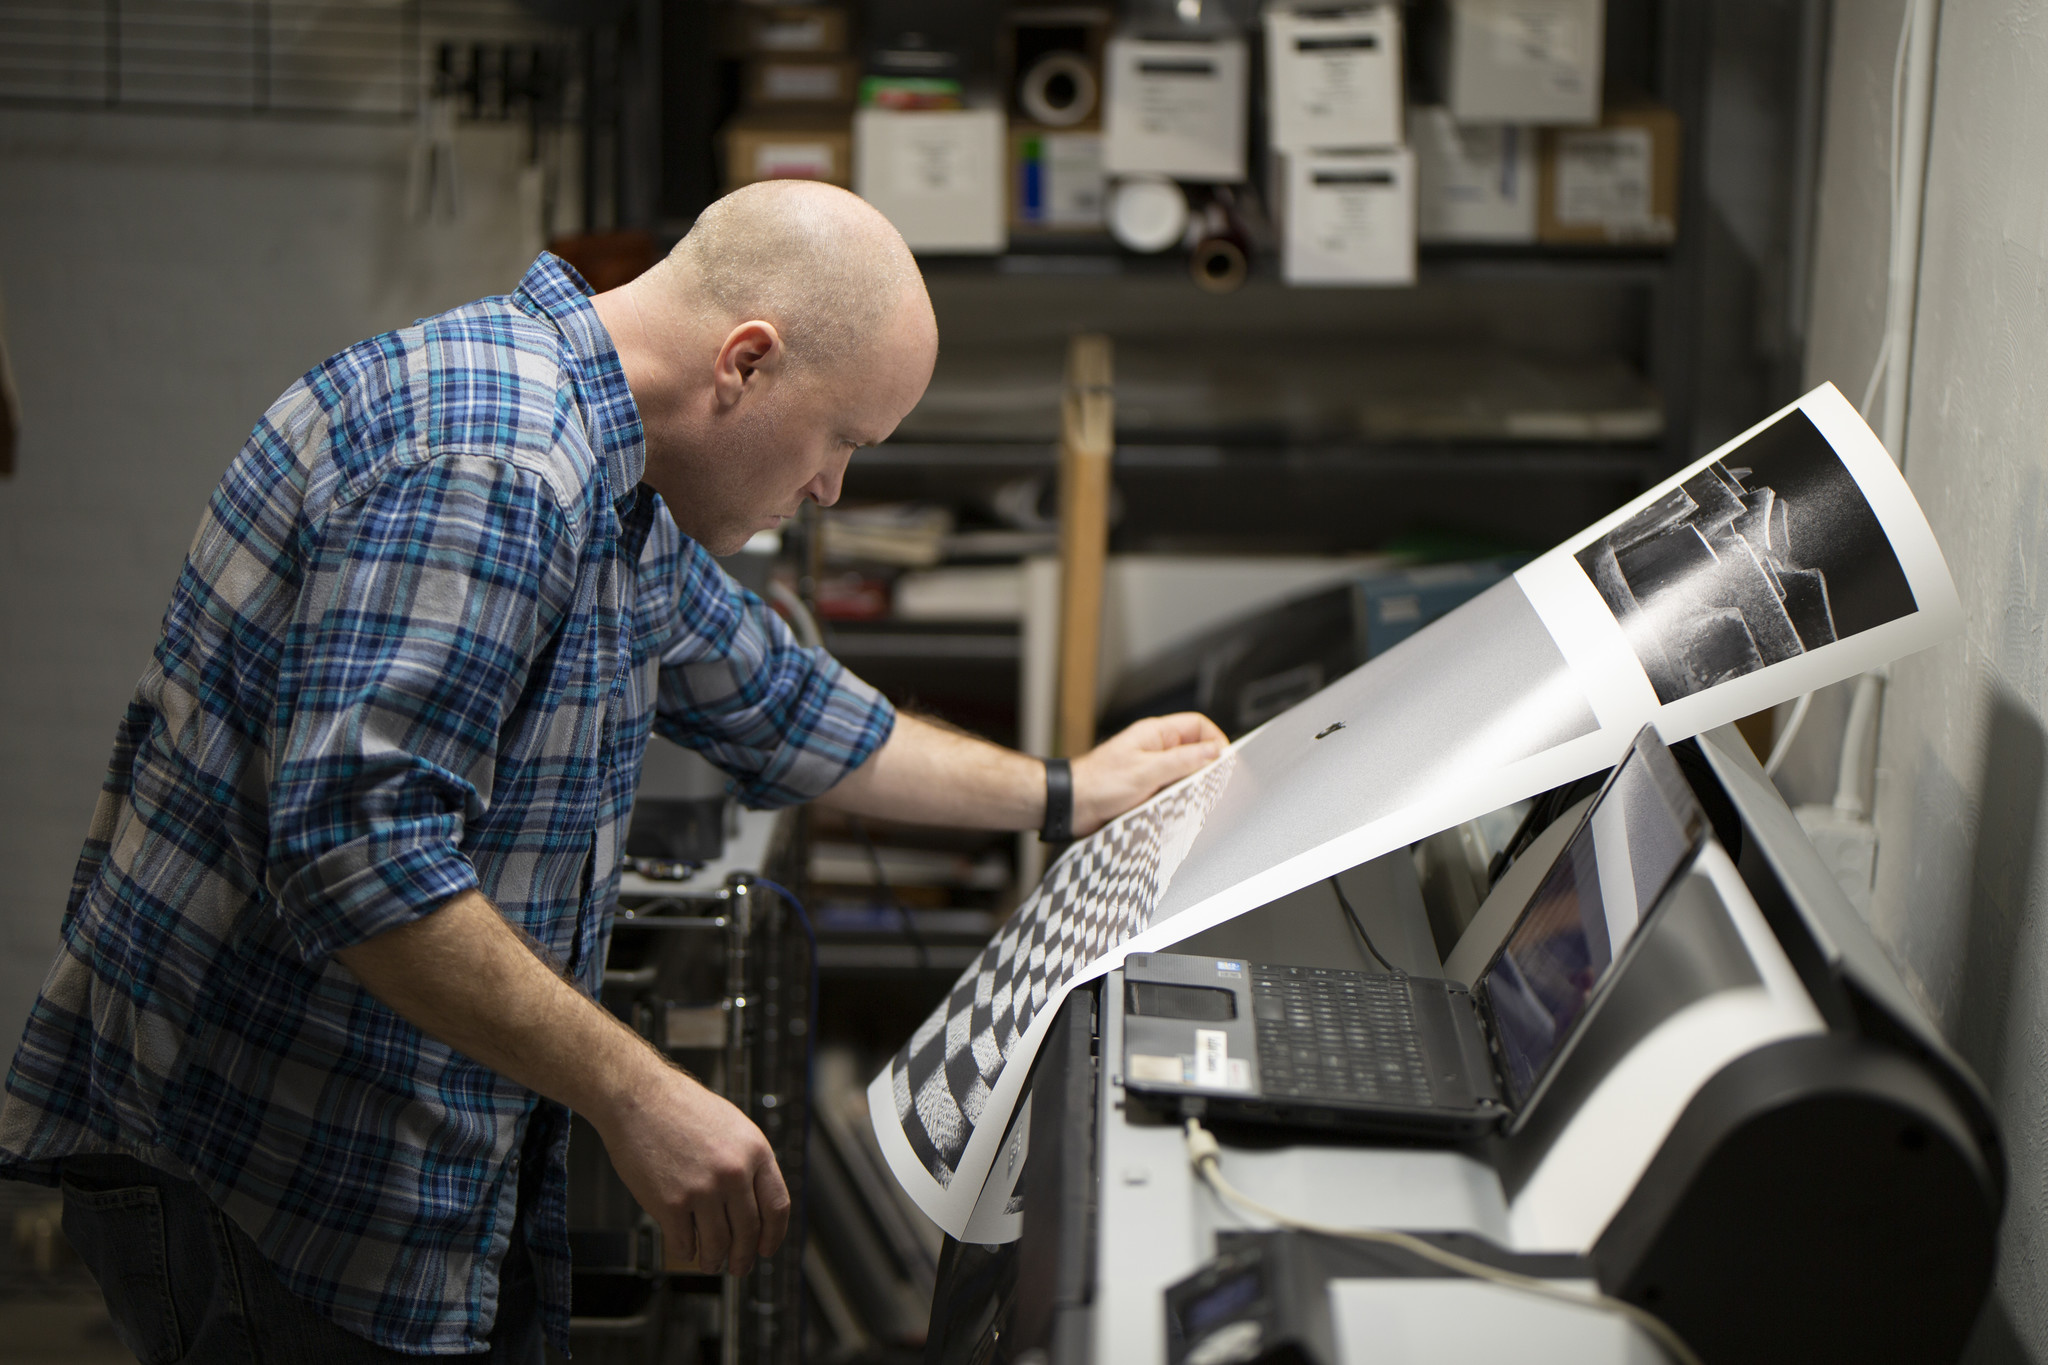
(786, 723)
(422, 607)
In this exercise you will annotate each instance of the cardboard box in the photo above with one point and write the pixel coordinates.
(1350, 217)
(1176, 108)
(788, 147)
(1473, 182)
(790, 30)
(936, 174)
(1617, 183)
(1524, 61)
(1333, 78)
(1057, 183)
(796, 82)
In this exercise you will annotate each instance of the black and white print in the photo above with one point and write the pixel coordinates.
(1766, 554)
(1099, 894)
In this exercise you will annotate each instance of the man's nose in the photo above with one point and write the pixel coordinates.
(824, 489)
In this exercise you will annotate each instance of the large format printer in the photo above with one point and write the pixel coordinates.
(1827, 1191)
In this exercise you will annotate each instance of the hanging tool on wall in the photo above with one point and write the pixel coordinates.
(436, 182)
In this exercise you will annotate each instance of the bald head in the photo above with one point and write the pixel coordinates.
(789, 329)
(829, 272)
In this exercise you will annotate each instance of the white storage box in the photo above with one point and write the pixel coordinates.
(1333, 78)
(1350, 217)
(938, 175)
(1176, 108)
(1474, 182)
(1525, 61)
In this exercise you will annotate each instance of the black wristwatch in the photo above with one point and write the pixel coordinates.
(1059, 802)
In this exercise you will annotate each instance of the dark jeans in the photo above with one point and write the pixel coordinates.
(185, 1286)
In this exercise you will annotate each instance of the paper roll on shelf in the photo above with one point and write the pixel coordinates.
(1147, 212)
(1059, 90)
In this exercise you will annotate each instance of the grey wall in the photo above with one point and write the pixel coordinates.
(165, 278)
(1962, 895)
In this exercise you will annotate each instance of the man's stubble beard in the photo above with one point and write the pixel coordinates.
(732, 491)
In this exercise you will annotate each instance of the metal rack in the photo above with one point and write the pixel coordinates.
(313, 59)
(716, 972)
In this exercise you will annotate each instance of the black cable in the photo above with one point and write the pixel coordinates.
(910, 934)
(1359, 925)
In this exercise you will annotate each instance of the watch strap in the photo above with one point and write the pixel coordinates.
(1059, 802)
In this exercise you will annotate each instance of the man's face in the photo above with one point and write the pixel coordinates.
(791, 440)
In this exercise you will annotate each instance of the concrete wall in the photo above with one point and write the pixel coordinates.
(165, 278)
(1961, 896)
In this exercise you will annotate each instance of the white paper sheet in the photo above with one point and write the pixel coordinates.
(1792, 557)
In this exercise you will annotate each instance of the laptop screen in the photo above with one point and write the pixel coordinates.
(1639, 832)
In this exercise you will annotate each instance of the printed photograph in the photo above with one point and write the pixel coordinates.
(1760, 557)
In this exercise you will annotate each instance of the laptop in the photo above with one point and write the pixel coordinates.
(1397, 1055)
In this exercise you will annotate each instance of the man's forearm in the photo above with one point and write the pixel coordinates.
(697, 1164)
(462, 975)
(927, 774)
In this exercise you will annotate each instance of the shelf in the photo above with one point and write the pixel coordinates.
(1408, 458)
(1091, 256)
(895, 641)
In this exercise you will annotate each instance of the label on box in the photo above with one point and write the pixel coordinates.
(1350, 219)
(938, 176)
(1473, 182)
(802, 83)
(1212, 1058)
(1603, 179)
(930, 160)
(1060, 181)
(1532, 36)
(793, 161)
(1334, 80)
(803, 34)
(1176, 108)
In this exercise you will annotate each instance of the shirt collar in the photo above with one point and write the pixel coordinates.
(552, 289)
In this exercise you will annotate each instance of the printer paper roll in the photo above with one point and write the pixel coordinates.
(1790, 558)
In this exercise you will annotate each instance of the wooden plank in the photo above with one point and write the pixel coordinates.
(1087, 443)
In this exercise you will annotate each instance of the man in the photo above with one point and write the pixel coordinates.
(304, 1063)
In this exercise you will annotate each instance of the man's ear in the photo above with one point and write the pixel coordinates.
(750, 359)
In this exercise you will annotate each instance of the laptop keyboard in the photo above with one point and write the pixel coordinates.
(1338, 1035)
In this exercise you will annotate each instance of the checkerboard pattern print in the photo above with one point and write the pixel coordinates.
(1100, 893)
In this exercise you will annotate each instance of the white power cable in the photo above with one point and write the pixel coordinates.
(1782, 745)
(1859, 746)
(1206, 1156)
(1884, 348)
(802, 624)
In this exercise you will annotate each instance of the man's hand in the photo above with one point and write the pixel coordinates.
(698, 1165)
(1130, 766)
(705, 1173)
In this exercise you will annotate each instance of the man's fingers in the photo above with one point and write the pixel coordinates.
(773, 1197)
(1171, 765)
(714, 1239)
(1192, 727)
(745, 1222)
(1158, 733)
(681, 1231)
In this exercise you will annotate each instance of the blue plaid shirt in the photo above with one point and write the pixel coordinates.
(416, 649)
